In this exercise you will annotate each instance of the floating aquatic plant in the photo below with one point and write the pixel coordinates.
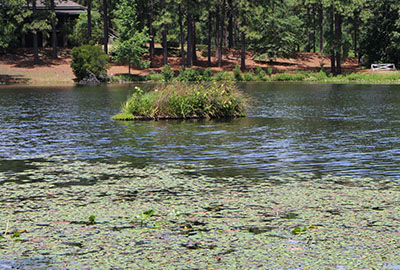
(202, 222)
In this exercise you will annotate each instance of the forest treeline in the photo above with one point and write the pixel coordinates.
(366, 29)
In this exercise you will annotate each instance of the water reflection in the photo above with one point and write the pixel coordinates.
(323, 129)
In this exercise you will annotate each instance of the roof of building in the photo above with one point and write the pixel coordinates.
(62, 6)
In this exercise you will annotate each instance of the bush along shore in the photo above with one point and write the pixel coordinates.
(185, 101)
(259, 74)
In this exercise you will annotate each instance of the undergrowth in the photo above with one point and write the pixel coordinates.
(200, 100)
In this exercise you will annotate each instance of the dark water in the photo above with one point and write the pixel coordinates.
(291, 128)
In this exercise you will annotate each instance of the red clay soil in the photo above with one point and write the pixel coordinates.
(19, 66)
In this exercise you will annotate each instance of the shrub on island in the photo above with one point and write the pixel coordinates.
(184, 101)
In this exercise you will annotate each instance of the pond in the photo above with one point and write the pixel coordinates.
(309, 180)
(291, 128)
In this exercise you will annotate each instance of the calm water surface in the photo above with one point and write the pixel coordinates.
(291, 128)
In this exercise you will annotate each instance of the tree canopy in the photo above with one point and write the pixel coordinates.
(366, 29)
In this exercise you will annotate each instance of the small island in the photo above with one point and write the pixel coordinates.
(185, 101)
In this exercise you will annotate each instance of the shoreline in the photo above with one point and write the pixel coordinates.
(18, 69)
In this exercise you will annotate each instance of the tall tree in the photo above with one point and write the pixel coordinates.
(338, 44)
(131, 43)
(13, 15)
(151, 32)
(164, 32)
(106, 30)
(209, 23)
(89, 20)
(189, 38)
(380, 39)
(181, 35)
(332, 38)
(35, 35)
(321, 27)
(221, 35)
(53, 19)
(230, 24)
(308, 25)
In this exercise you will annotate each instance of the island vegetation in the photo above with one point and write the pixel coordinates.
(184, 101)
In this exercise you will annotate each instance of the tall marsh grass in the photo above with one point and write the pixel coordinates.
(184, 101)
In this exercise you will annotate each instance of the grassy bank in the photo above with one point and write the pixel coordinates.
(261, 75)
(184, 101)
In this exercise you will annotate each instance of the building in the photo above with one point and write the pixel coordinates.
(66, 12)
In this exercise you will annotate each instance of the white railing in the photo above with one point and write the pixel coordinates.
(387, 67)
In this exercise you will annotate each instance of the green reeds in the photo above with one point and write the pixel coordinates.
(185, 101)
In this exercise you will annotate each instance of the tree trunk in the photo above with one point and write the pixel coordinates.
(105, 13)
(338, 28)
(165, 46)
(151, 33)
(235, 33)
(222, 34)
(308, 47)
(164, 36)
(243, 52)
(189, 39)
(314, 32)
(321, 29)
(230, 25)
(217, 22)
(35, 37)
(194, 41)
(356, 36)
(332, 39)
(53, 30)
(89, 18)
(209, 39)
(181, 37)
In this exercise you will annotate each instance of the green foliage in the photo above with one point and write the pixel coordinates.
(207, 74)
(322, 75)
(167, 73)
(79, 34)
(223, 76)
(194, 75)
(249, 76)
(141, 104)
(185, 101)
(269, 71)
(260, 74)
(272, 30)
(237, 73)
(131, 50)
(131, 44)
(12, 16)
(87, 58)
(189, 75)
(128, 78)
(91, 220)
(16, 234)
(289, 77)
(299, 230)
(157, 77)
(143, 217)
(373, 77)
(381, 37)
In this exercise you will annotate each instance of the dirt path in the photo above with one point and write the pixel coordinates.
(19, 67)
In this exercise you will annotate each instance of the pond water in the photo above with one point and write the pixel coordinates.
(309, 180)
(290, 128)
